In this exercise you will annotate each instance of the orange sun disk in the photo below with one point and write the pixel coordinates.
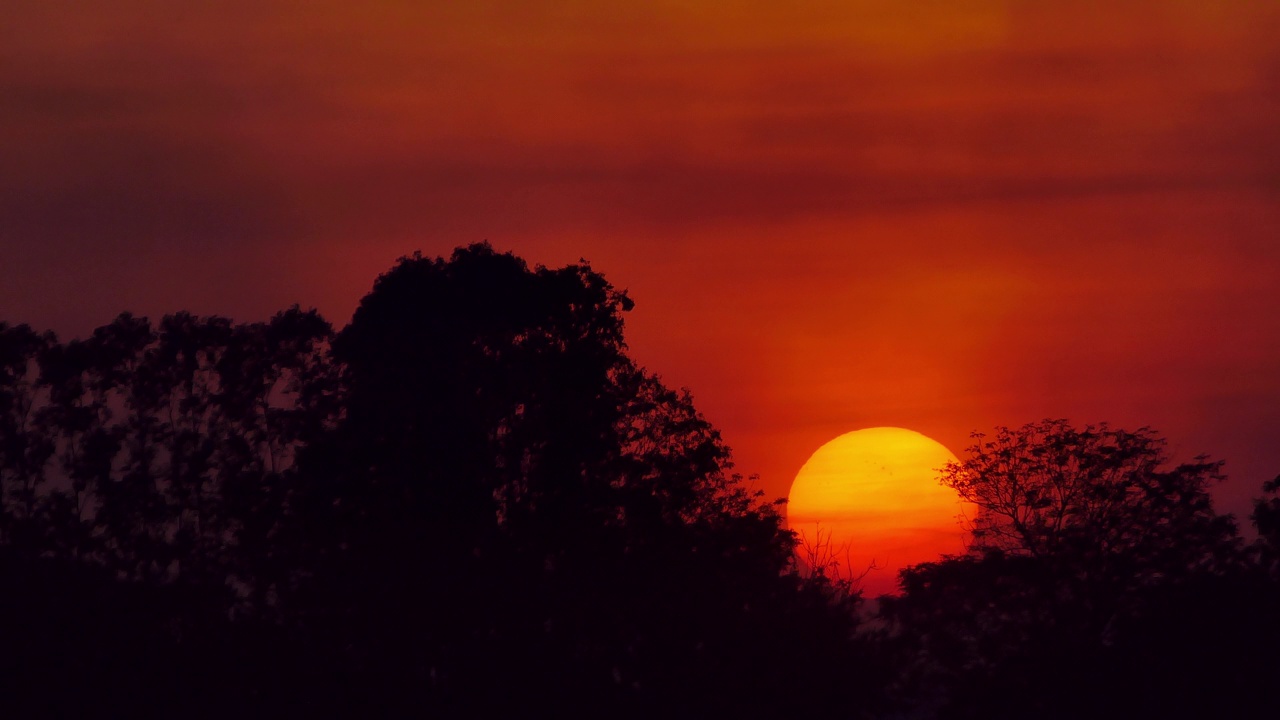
(873, 500)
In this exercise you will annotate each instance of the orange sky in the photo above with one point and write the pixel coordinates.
(832, 215)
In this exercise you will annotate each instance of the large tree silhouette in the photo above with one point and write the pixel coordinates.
(516, 503)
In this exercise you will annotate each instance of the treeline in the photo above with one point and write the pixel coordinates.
(471, 502)
(161, 453)
(468, 502)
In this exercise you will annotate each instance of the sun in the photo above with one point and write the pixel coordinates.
(871, 501)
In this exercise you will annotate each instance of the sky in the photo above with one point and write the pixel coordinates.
(944, 216)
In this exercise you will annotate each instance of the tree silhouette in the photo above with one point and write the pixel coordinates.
(1088, 547)
(497, 437)
(160, 453)
(24, 449)
(133, 476)
(1048, 488)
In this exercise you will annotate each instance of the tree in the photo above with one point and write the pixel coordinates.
(161, 452)
(1106, 500)
(504, 464)
(144, 482)
(1087, 546)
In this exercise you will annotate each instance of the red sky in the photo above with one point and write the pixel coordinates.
(832, 215)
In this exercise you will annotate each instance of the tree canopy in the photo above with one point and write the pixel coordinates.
(496, 433)
(1107, 499)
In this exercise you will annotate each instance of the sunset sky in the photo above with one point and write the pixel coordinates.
(942, 216)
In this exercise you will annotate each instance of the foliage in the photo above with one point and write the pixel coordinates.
(996, 636)
(160, 452)
(1266, 518)
(496, 434)
(1088, 543)
(470, 501)
(1105, 500)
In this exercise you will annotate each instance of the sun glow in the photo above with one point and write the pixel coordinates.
(870, 500)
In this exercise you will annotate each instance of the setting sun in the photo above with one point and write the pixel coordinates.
(871, 499)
